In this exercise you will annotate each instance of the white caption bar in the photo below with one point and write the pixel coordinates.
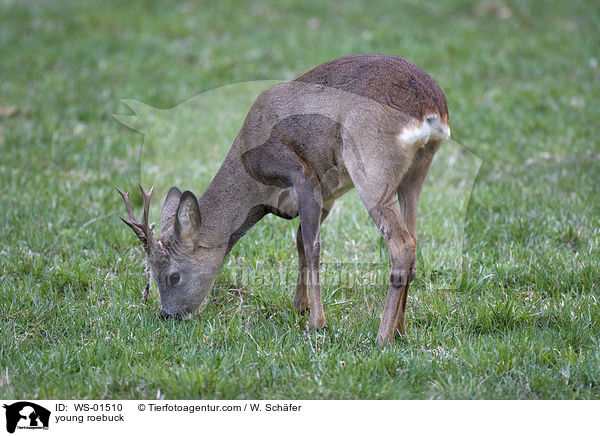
(160, 417)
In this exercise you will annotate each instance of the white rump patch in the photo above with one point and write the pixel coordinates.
(430, 128)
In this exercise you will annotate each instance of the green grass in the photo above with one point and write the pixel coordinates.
(505, 306)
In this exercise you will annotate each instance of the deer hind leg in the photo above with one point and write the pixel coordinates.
(402, 248)
(409, 192)
(408, 196)
(378, 196)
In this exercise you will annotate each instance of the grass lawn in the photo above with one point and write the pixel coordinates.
(505, 304)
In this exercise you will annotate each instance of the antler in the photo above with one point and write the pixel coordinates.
(143, 230)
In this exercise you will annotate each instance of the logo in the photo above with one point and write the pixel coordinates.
(26, 415)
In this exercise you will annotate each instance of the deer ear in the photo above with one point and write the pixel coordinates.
(187, 219)
(169, 210)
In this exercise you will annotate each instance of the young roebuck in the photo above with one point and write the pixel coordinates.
(372, 122)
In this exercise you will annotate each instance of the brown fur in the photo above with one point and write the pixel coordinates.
(390, 80)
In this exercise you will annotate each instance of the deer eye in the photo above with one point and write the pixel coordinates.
(174, 279)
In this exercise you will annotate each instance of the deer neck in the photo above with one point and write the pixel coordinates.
(230, 206)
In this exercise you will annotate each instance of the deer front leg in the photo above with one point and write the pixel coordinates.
(310, 210)
(301, 295)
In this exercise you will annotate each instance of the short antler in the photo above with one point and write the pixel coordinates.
(143, 230)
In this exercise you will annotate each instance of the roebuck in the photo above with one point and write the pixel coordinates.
(371, 122)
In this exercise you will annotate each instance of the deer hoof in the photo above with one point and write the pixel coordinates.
(317, 322)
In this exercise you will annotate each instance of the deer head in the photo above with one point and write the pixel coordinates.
(183, 268)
